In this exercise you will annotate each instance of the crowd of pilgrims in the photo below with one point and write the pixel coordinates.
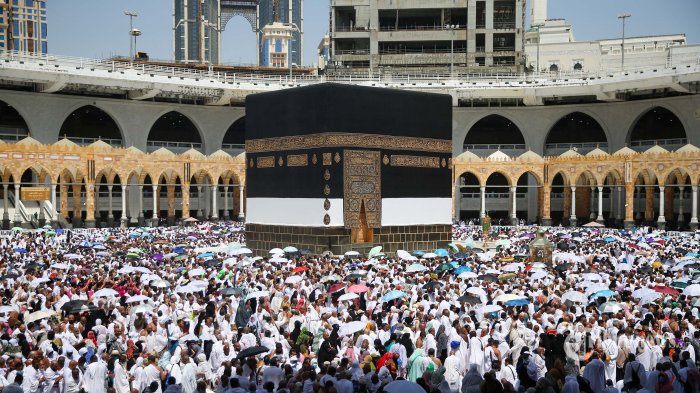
(190, 309)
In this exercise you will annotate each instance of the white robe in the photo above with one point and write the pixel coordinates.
(189, 378)
(453, 372)
(476, 354)
(121, 379)
(31, 380)
(94, 378)
(611, 350)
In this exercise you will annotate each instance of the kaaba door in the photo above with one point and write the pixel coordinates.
(362, 199)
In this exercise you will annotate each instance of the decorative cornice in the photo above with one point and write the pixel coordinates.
(349, 140)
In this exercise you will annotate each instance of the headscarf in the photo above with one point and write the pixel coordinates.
(471, 383)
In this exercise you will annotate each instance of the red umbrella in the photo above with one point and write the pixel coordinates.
(336, 287)
(300, 269)
(358, 288)
(666, 290)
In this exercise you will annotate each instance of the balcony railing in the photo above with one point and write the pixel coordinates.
(484, 146)
(584, 145)
(174, 145)
(660, 142)
(233, 146)
(89, 141)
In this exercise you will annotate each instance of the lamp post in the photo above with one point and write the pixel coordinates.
(131, 15)
(452, 48)
(623, 17)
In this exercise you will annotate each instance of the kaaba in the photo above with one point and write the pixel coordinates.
(334, 167)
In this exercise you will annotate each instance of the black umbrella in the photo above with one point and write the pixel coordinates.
(469, 299)
(73, 304)
(460, 255)
(563, 266)
(9, 276)
(353, 276)
(443, 267)
(488, 277)
(252, 351)
(563, 246)
(432, 285)
(34, 265)
(681, 250)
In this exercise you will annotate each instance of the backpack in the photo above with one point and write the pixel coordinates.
(635, 383)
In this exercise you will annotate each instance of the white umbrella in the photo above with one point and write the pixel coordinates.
(60, 265)
(692, 290)
(592, 277)
(6, 309)
(401, 254)
(38, 281)
(276, 251)
(351, 328)
(198, 284)
(650, 298)
(290, 249)
(348, 296)
(610, 307)
(490, 308)
(160, 284)
(538, 275)
(478, 291)
(141, 308)
(595, 288)
(484, 256)
(187, 289)
(279, 260)
(513, 267)
(126, 270)
(506, 297)
(257, 294)
(195, 272)
(575, 296)
(35, 316)
(416, 267)
(106, 292)
(468, 275)
(137, 298)
(293, 279)
(429, 255)
(623, 267)
(142, 269)
(642, 292)
(352, 254)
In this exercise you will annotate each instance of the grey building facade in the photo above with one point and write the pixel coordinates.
(441, 35)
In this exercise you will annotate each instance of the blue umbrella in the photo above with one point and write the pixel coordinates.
(21, 250)
(605, 293)
(441, 252)
(462, 269)
(609, 239)
(59, 230)
(85, 244)
(205, 255)
(392, 295)
(517, 302)
(418, 252)
(460, 255)
(454, 264)
(692, 254)
(178, 250)
(134, 235)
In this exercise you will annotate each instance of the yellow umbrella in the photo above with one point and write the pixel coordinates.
(656, 265)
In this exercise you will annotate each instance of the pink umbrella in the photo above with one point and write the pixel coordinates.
(358, 288)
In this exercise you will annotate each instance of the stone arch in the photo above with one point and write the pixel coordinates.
(13, 124)
(582, 129)
(653, 117)
(82, 121)
(587, 177)
(235, 134)
(36, 170)
(201, 175)
(170, 175)
(494, 127)
(168, 125)
(519, 174)
(562, 173)
(229, 177)
(647, 175)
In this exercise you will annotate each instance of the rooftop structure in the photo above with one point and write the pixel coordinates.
(23, 26)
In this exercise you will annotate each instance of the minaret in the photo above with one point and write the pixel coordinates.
(538, 12)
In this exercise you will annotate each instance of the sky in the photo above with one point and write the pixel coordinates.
(99, 28)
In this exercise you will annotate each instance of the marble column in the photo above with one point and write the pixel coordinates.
(90, 205)
(681, 200)
(694, 208)
(18, 216)
(546, 205)
(241, 214)
(156, 196)
(141, 219)
(592, 208)
(214, 207)
(226, 214)
(6, 205)
(54, 214)
(482, 191)
(649, 200)
(514, 211)
(618, 215)
(661, 222)
(110, 214)
(629, 205)
(600, 205)
(199, 202)
(171, 204)
(124, 218)
(573, 221)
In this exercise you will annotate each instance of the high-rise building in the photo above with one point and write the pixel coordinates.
(275, 45)
(196, 30)
(283, 11)
(440, 35)
(538, 12)
(197, 26)
(23, 26)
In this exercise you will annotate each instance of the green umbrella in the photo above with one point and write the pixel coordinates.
(502, 242)
(132, 255)
(17, 229)
(679, 284)
(47, 227)
(51, 233)
(374, 251)
(233, 246)
(181, 257)
(453, 247)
